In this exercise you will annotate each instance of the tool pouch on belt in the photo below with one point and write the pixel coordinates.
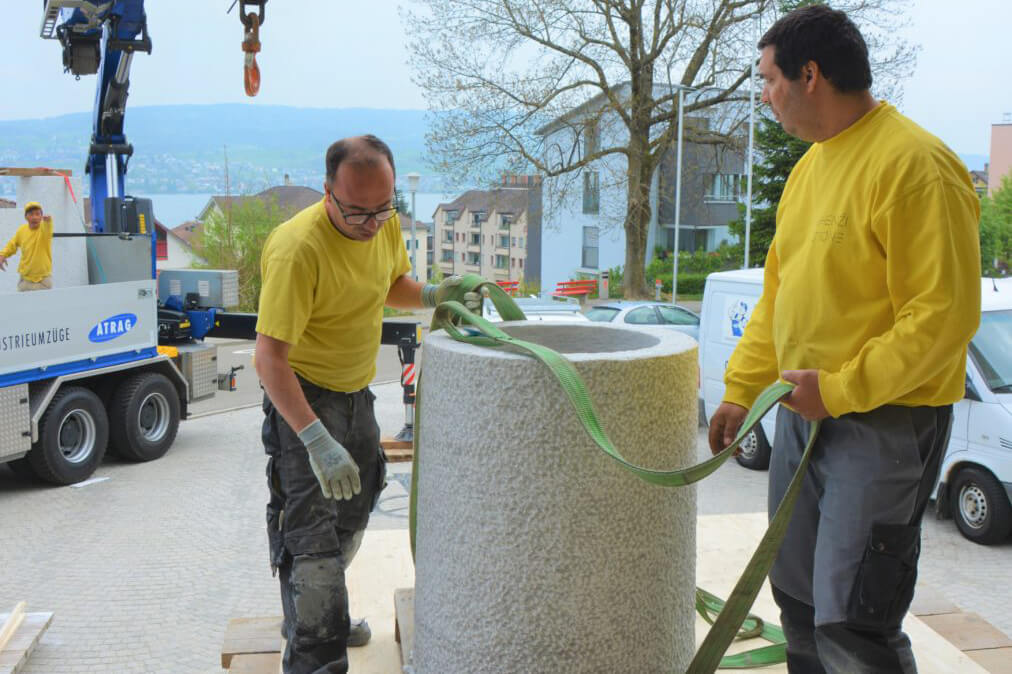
(885, 580)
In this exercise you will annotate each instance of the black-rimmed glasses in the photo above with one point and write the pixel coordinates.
(381, 215)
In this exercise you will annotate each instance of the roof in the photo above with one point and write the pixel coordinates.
(188, 230)
(290, 198)
(501, 200)
(7, 203)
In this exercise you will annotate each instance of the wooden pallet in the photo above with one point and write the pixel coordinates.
(397, 450)
(251, 637)
(404, 624)
(19, 635)
(33, 172)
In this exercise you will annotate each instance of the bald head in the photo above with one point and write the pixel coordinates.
(360, 153)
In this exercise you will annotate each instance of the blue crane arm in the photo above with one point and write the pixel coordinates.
(101, 37)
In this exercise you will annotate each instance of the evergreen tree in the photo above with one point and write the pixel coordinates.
(778, 152)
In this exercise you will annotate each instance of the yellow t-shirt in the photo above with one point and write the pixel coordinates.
(36, 250)
(873, 276)
(323, 293)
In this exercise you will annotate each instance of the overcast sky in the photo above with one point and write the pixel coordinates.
(346, 53)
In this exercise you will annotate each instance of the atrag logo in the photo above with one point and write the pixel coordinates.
(112, 327)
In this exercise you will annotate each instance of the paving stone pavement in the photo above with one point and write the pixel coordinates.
(144, 569)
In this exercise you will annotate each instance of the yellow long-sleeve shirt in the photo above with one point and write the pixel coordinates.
(36, 247)
(873, 276)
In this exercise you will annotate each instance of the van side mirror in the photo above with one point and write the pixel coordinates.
(971, 391)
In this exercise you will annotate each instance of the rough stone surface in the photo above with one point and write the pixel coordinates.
(565, 562)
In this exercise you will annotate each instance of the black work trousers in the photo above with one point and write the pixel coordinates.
(845, 574)
(313, 539)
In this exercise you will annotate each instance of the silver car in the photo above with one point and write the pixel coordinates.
(647, 313)
(539, 310)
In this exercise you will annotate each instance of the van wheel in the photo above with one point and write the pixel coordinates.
(73, 434)
(980, 507)
(144, 417)
(755, 450)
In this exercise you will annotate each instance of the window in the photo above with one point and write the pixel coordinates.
(505, 220)
(477, 218)
(677, 316)
(591, 139)
(513, 262)
(474, 258)
(521, 242)
(500, 261)
(602, 314)
(504, 241)
(591, 192)
(642, 316)
(462, 258)
(161, 245)
(449, 236)
(447, 256)
(723, 186)
(590, 235)
(521, 263)
(514, 242)
(451, 217)
(476, 239)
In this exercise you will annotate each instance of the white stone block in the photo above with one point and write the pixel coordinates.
(535, 551)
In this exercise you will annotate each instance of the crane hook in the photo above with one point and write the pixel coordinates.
(250, 46)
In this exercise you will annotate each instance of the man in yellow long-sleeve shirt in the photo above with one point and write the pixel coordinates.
(871, 294)
(35, 241)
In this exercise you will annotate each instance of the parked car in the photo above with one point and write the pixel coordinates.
(975, 481)
(647, 313)
(537, 309)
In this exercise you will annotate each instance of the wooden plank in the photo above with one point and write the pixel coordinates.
(404, 623)
(994, 660)
(399, 455)
(929, 601)
(33, 172)
(255, 663)
(967, 631)
(388, 443)
(14, 656)
(245, 636)
(12, 623)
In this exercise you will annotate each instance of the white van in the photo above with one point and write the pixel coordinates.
(975, 481)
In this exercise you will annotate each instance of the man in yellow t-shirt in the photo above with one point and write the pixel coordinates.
(871, 294)
(327, 273)
(35, 241)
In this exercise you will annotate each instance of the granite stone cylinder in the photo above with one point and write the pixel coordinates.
(535, 551)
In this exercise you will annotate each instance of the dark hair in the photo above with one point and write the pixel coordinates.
(361, 150)
(826, 36)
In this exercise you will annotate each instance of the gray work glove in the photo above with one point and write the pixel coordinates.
(449, 289)
(331, 463)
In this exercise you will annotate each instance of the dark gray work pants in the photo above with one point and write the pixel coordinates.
(313, 539)
(845, 574)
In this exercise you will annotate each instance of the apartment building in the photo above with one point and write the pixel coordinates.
(493, 233)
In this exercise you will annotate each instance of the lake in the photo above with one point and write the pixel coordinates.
(175, 209)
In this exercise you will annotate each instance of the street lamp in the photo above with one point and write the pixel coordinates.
(678, 189)
(413, 179)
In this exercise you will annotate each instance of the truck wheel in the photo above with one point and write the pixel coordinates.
(144, 417)
(980, 507)
(22, 468)
(73, 434)
(755, 450)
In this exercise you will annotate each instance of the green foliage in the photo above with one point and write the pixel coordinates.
(402, 205)
(996, 230)
(235, 240)
(436, 275)
(526, 288)
(779, 152)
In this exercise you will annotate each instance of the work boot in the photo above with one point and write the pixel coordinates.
(359, 633)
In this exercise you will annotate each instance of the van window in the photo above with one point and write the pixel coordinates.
(991, 349)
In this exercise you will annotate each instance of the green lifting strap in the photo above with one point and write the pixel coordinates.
(727, 618)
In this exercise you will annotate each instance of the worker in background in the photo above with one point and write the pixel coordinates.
(327, 273)
(871, 294)
(35, 241)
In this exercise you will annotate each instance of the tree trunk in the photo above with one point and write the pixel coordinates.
(637, 219)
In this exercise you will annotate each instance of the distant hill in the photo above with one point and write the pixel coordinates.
(181, 148)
